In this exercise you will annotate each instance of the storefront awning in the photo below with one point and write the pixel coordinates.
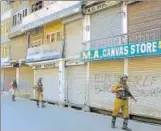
(41, 62)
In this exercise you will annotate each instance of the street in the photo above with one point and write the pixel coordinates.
(23, 115)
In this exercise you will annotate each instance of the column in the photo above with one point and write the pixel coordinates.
(125, 31)
(62, 88)
(86, 39)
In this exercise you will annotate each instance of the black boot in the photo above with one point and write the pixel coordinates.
(125, 127)
(113, 121)
(37, 103)
(43, 104)
(13, 98)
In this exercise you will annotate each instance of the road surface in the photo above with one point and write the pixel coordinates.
(23, 115)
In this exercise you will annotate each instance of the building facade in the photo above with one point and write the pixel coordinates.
(134, 50)
(80, 49)
(8, 73)
(47, 58)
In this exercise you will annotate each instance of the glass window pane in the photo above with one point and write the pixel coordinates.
(58, 36)
(52, 37)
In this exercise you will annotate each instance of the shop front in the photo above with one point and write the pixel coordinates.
(143, 69)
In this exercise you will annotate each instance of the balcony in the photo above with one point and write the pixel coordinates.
(50, 13)
(135, 37)
(5, 61)
(6, 15)
(136, 44)
(4, 39)
(45, 52)
(16, 31)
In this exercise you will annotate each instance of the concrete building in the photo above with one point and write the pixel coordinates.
(124, 38)
(8, 73)
(81, 48)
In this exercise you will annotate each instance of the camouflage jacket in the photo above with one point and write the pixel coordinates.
(122, 94)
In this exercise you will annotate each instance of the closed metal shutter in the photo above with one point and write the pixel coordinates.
(102, 77)
(76, 84)
(145, 84)
(50, 82)
(26, 79)
(73, 38)
(106, 23)
(144, 24)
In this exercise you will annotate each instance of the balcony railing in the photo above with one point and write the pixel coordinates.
(5, 61)
(135, 37)
(146, 35)
(16, 28)
(4, 39)
(45, 52)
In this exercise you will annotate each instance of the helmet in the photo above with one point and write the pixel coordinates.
(40, 79)
(123, 76)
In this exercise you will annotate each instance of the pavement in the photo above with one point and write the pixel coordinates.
(23, 115)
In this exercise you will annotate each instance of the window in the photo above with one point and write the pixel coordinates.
(58, 36)
(4, 51)
(20, 17)
(14, 20)
(53, 37)
(7, 27)
(17, 18)
(37, 6)
(2, 28)
(25, 12)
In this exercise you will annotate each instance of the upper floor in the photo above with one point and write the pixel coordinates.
(5, 30)
(31, 14)
(5, 7)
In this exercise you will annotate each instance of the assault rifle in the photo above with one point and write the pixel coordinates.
(130, 95)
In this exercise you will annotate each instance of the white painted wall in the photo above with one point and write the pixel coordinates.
(125, 31)
(62, 87)
(6, 15)
(86, 38)
(48, 10)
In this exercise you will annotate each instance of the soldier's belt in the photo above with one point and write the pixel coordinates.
(122, 98)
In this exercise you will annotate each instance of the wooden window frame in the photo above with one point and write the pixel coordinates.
(56, 37)
(37, 6)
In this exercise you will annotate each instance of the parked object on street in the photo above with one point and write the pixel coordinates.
(121, 101)
(39, 92)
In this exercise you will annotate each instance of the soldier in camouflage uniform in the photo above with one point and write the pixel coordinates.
(121, 102)
(13, 87)
(39, 92)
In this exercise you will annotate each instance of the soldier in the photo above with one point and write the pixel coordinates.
(13, 86)
(39, 92)
(121, 101)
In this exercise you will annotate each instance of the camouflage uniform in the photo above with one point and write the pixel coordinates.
(13, 89)
(121, 102)
(39, 92)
